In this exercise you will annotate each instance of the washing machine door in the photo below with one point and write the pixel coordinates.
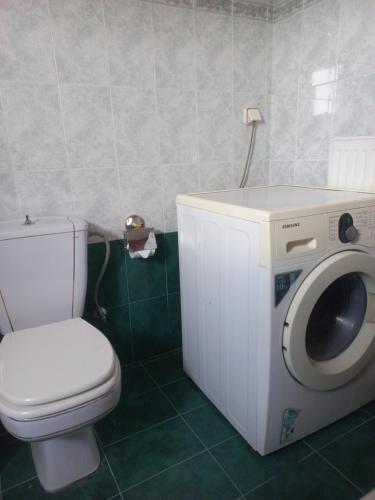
(329, 332)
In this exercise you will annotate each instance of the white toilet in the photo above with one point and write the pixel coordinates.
(58, 374)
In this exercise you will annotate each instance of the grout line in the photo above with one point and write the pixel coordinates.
(338, 437)
(199, 439)
(128, 436)
(119, 188)
(19, 484)
(155, 90)
(153, 476)
(260, 485)
(108, 464)
(61, 110)
(223, 441)
(161, 356)
(234, 169)
(194, 409)
(337, 470)
(8, 148)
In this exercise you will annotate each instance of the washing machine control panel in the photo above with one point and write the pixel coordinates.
(347, 231)
(355, 226)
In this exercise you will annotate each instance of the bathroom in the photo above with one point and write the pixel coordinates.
(114, 107)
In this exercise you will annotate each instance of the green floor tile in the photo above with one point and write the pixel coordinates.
(171, 260)
(151, 331)
(174, 315)
(133, 414)
(117, 329)
(98, 486)
(146, 277)
(135, 380)
(248, 469)
(210, 425)
(197, 479)
(370, 408)
(166, 369)
(332, 432)
(312, 479)
(185, 395)
(149, 452)
(354, 455)
(16, 464)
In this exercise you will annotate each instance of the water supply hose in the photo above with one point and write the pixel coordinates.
(249, 156)
(101, 311)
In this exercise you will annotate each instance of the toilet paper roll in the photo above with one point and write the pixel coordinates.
(141, 254)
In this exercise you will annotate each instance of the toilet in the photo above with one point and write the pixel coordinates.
(58, 374)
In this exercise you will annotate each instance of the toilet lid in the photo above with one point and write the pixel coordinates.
(52, 362)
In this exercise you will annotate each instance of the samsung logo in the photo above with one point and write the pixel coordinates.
(287, 226)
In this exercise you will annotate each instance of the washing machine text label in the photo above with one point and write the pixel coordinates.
(283, 282)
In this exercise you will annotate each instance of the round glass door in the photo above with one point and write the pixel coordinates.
(329, 332)
(336, 318)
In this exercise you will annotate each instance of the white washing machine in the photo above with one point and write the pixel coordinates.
(278, 306)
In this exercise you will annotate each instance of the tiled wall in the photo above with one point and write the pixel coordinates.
(323, 83)
(114, 106)
(141, 297)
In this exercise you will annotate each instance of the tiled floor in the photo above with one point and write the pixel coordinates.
(166, 441)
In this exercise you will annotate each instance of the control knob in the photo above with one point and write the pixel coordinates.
(347, 231)
(351, 233)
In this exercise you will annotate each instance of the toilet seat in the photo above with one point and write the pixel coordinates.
(86, 369)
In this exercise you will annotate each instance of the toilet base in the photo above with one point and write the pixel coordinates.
(62, 460)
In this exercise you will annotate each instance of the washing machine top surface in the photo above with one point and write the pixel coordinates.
(49, 363)
(276, 202)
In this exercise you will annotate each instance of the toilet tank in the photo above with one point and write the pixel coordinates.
(43, 271)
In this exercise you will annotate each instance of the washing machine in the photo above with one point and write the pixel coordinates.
(278, 306)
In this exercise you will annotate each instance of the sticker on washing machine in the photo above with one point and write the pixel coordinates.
(283, 282)
(287, 428)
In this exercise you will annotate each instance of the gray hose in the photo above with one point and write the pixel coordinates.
(249, 157)
(102, 312)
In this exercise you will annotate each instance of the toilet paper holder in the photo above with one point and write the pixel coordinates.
(139, 240)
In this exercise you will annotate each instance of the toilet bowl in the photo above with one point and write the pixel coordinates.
(56, 381)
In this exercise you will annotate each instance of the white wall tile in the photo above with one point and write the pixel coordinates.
(286, 55)
(136, 126)
(310, 173)
(5, 161)
(44, 193)
(177, 120)
(141, 193)
(281, 172)
(313, 129)
(177, 179)
(354, 107)
(80, 43)
(215, 176)
(174, 47)
(357, 38)
(96, 198)
(25, 42)
(249, 55)
(283, 128)
(214, 51)
(34, 127)
(88, 126)
(130, 44)
(215, 130)
(8, 197)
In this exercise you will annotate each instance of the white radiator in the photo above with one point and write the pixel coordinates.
(352, 164)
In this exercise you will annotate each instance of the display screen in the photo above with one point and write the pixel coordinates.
(283, 282)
